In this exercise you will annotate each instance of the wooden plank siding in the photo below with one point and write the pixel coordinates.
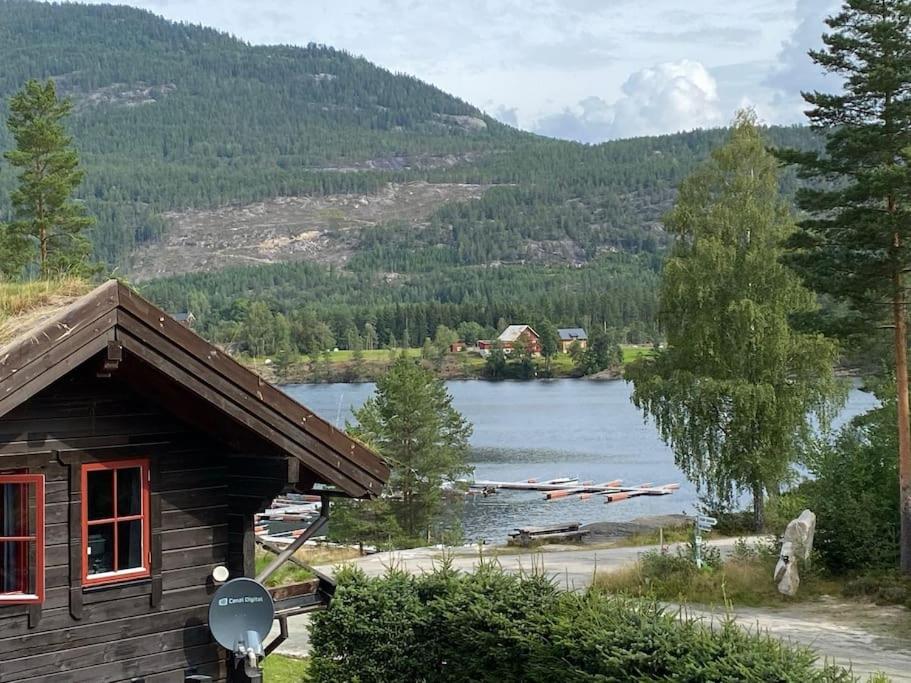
(204, 495)
(115, 318)
(110, 377)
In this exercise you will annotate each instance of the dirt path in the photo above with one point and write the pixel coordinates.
(862, 636)
(865, 636)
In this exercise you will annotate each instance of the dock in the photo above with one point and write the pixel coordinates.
(567, 487)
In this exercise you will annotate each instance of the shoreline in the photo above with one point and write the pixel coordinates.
(343, 369)
(487, 380)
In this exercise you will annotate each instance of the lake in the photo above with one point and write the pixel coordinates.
(575, 428)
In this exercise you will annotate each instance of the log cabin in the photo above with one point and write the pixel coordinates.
(133, 457)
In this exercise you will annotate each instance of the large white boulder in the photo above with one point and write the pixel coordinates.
(796, 546)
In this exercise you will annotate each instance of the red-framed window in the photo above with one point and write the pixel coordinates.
(116, 537)
(21, 539)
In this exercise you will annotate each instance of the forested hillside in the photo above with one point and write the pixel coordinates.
(172, 116)
(312, 307)
(173, 121)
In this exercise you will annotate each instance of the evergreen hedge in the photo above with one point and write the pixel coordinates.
(492, 626)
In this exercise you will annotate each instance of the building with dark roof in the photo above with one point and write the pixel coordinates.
(569, 336)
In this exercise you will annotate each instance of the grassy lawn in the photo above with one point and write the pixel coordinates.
(375, 355)
(280, 669)
(676, 534)
(561, 360)
(290, 573)
(463, 365)
(631, 353)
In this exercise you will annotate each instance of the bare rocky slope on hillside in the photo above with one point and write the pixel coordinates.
(320, 229)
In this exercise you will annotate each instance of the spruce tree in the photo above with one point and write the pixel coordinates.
(47, 220)
(856, 242)
(732, 391)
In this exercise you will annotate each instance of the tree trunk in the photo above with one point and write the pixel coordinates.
(899, 315)
(42, 239)
(758, 508)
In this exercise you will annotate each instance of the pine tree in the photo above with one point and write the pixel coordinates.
(732, 391)
(45, 213)
(410, 421)
(856, 244)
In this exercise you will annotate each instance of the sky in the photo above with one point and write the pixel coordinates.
(588, 70)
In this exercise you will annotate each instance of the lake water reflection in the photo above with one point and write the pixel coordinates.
(546, 429)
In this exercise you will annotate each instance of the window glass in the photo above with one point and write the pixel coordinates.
(100, 494)
(13, 505)
(129, 544)
(115, 518)
(21, 538)
(101, 548)
(14, 567)
(129, 491)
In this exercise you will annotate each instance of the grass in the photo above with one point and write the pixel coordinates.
(326, 554)
(744, 579)
(287, 574)
(290, 573)
(735, 583)
(561, 361)
(631, 353)
(280, 669)
(19, 299)
(677, 534)
(882, 588)
(343, 356)
(462, 365)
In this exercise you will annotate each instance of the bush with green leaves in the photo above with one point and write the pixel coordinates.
(854, 493)
(492, 626)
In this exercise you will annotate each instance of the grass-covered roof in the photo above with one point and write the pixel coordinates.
(25, 305)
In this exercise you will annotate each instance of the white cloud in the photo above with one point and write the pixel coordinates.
(667, 98)
(538, 64)
(663, 98)
(795, 71)
(507, 115)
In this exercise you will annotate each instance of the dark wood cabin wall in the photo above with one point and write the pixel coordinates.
(203, 495)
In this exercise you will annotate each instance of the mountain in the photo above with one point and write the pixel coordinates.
(205, 153)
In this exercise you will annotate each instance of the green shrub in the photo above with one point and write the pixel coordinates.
(780, 510)
(491, 626)
(730, 521)
(744, 579)
(763, 549)
(884, 589)
(596, 637)
(855, 495)
(656, 564)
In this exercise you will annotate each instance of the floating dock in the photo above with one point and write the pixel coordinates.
(567, 487)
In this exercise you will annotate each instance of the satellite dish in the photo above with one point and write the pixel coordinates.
(240, 618)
